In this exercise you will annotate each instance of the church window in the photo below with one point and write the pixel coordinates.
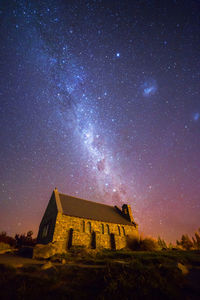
(45, 230)
(88, 227)
(123, 231)
(102, 228)
(107, 229)
(83, 226)
(119, 230)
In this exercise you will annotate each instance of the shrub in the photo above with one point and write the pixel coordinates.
(149, 244)
(162, 244)
(4, 238)
(185, 242)
(25, 240)
(196, 240)
(142, 244)
(26, 251)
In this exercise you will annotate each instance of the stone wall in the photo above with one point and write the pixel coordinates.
(47, 225)
(90, 233)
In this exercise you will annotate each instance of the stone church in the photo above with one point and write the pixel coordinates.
(69, 221)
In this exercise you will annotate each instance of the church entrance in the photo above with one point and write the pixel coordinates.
(70, 238)
(93, 242)
(112, 241)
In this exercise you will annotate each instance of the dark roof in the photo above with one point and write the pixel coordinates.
(76, 207)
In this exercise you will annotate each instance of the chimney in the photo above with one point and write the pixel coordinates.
(127, 213)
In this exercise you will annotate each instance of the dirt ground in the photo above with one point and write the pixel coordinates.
(17, 261)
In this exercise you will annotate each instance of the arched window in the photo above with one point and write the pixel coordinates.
(102, 228)
(83, 226)
(123, 231)
(88, 227)
(119, 230)
(45, 230)
(107, 229)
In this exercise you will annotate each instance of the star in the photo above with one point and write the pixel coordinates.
(104, 104)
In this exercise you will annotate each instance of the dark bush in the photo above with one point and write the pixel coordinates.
(26, 251)
(25, 240)
(142, 244)
(4, 238)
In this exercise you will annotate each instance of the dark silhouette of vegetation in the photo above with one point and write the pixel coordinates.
(196, 240)
(4, 238)
(150, 244)
(19, 241)
(162, 244)
(25, 240)
(189, 244)
(142, 244)
(185, 242)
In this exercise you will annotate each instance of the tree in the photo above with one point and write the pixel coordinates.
(25, 240)
(4, 238)
(196, 240)
(185, 242)
(162, 244)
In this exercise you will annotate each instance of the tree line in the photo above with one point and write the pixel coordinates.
(19, 240)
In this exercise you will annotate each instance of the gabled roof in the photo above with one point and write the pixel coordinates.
(76, 207)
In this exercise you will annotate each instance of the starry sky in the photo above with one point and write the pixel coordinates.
(101, 99)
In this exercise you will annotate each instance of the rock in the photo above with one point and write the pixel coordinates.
(4, 248)
(183, 269)
(63, 261)
(17, 265)
(48, 265)
(43, 251)
(26, 251)
(6, 251)
(46, 251)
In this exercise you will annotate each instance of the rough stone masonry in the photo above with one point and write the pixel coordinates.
(70, 221)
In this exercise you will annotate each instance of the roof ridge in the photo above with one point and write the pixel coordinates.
(113, 206)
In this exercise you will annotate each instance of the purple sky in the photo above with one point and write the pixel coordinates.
(101, 100)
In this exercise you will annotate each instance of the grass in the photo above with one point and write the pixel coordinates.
(108, 274)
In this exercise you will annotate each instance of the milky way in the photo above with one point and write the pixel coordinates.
(75, 107)
(101, 99)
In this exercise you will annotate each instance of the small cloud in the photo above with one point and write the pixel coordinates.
(149, 87)
(196, 116)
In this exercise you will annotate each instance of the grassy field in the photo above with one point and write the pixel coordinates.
(105, 275)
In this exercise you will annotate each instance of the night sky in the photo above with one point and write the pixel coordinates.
(101, 99)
